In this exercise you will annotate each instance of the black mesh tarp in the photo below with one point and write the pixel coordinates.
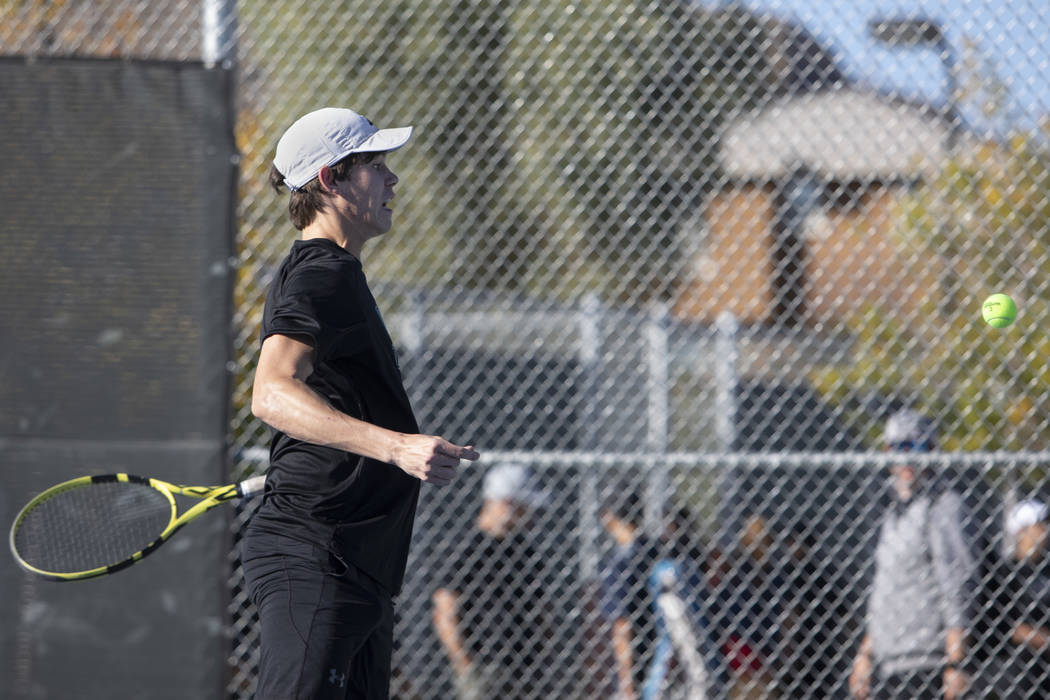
(117, 182)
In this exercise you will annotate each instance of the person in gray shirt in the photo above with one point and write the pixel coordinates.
(919, 610)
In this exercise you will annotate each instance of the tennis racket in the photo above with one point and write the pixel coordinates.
(96, 525)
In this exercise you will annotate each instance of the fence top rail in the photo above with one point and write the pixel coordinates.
(859, 460)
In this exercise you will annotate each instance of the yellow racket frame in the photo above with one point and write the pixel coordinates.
(211, 497)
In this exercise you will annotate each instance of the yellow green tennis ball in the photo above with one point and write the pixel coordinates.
(999, 310)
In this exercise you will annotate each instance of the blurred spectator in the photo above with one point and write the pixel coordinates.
(919, 609)
(1023, 585)
(746, 612)
(493, 617)
(627, 605)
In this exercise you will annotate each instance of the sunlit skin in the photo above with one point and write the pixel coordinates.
(358, 208)
(756, 538)
(904, 477)
(499, 517)
(1032, 541)
(622, 531)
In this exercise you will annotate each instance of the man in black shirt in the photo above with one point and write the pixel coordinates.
(1022, 666)
(494, 617)
(326, 552)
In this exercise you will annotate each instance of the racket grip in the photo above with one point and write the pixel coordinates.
(252, 486)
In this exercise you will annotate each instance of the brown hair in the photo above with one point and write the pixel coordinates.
(307, 202)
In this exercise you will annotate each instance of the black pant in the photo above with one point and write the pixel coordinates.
(921, 684)
(326, 629)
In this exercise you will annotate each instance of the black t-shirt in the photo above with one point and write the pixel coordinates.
(1024, 597)
(360, 509)
(504, 611)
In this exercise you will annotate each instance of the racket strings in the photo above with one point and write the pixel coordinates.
(93, 526)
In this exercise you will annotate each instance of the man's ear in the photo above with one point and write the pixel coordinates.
(327, 178)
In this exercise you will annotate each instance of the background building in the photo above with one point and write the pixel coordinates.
(699, 248)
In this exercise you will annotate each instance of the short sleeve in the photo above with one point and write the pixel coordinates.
(317, 302)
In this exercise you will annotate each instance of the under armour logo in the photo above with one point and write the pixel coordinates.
(335, 678)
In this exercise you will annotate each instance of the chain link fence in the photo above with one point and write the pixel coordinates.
(681, 260)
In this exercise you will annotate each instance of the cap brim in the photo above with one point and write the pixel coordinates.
(385, 140)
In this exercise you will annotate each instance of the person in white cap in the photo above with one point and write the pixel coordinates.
(920, 607)
(1027, 529)
(491, 615)
(1023, 605)
(325, 554)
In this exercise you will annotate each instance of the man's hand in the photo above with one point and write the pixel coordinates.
(956, 683)
(430, 458)
(1036, 638)
(463, 667)
(627, 693)
(860, 677)
(446, 624)
(623, 651)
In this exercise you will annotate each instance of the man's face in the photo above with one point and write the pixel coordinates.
(904, 476)
(622, 530)
(366, 197)
(756, 538)
(1032, 541)
(499, 516)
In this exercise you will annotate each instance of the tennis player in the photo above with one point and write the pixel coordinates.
(325, 554)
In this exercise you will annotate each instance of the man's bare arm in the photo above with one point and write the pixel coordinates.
(1038, 638)
(863, 666)
(446, 624)
(955, 645)
(623, 652)
(282, 399)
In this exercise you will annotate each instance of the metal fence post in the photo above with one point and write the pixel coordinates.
(726, 379)
(219, 18)
(657, 440)
(590, 325)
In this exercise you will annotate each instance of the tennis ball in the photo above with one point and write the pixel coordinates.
(999, 310)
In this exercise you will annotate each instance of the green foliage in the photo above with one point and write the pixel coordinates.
(984, 224)
(559, 146)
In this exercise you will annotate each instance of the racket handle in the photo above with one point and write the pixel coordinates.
(252, 486)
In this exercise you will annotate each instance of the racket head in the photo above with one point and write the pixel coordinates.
(92, 526)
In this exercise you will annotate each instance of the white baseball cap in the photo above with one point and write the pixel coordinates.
(511, 481)
(325, 137)
(908, 428)
(1025, 514)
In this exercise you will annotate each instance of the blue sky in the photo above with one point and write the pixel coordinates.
(1011, 36)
